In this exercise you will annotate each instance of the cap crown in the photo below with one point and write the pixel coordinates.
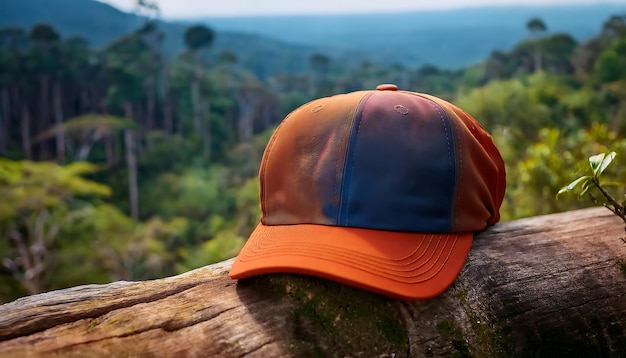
(383, 160)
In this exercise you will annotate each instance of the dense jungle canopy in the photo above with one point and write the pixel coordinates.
(121, 163)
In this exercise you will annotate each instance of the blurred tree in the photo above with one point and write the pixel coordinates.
(288, 83)
(610, 66)
(508, 107)
(400, 75)
(227, 58)
(496, 66)
(431, 79)
(128, 63)
(69, 77)
(155, 84)
(156, 81)
(536, 175)
(558, 51)
(149, 9)
(614, 27)
(45, 57)
(229, 235)
(610, 78)
(127, 250)
(12, 44)
(198, 37)
(537, 29)
(85, 131)
(38, 201)
(319, 65)
(249, 94)
(585, 56)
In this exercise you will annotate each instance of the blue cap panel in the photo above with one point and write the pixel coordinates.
(402, 184)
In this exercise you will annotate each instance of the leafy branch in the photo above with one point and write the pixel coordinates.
(598, 164)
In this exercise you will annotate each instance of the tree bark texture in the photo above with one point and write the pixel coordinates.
(25, 129)
(546, 286)
(58, 121)
(44, 114)
(5, 119)
(130, 143)
(195, 103)
(247, 100)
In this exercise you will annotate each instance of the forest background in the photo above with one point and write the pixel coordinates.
(134, 155)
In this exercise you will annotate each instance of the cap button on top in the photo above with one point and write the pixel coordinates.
(387, 87)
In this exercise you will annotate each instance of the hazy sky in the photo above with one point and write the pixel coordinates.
(198, 8)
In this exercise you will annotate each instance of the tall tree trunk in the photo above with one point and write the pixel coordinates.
(245, 122)
(247, 104)
(25, 266)
(44, 114)
(58, 121)
(84, 102)
(131, 162)
(168, 116)
(109, 150)
(150, 114)
(403, 80)
(164, 98)
(617, 115)
(25, 124)
(195, 104)
(139, 134)
(5, 119)
(206, 130)
(314, 80)
(538, 58)
(14, 99)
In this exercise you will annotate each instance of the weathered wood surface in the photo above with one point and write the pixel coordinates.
(545, 286)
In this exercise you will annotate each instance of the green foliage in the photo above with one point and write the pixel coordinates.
(598, 164)
(539, 171)
(536, 26)
(40, 201)
(224, 245)
(93, 121)
(195, 194)
(29, 186)
(198, 36)
(593, 180)
(44, 34)
(510, 107)
(134, 251)
(610, 67)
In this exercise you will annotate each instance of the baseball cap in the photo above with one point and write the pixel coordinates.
(381, 189)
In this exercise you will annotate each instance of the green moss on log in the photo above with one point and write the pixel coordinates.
(452, 332)
(487, 339)
(334, 320)
(622, 267)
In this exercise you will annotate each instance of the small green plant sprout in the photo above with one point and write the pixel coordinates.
(586, 183)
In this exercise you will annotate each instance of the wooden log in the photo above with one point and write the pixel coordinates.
(545, 286)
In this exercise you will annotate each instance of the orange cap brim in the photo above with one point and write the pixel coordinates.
(410, 266)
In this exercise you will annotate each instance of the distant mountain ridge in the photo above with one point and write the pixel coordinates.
(271, 44)
(450, 38)
(101, 23)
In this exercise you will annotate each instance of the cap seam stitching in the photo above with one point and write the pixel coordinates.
(443, 117)
(270, 145)
(351, 263)
(339, 183)
(351, 154)
(459, 172)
